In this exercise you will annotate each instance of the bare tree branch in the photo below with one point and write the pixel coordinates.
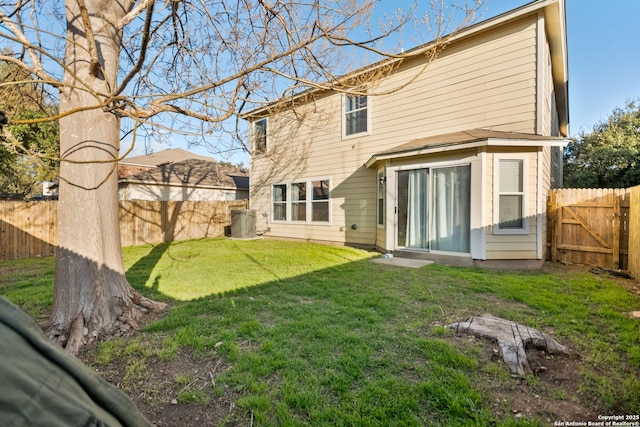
(20, 37)
(134, 13)
(94, 66)
(143, 50)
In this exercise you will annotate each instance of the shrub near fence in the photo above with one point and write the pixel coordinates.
(28, 229)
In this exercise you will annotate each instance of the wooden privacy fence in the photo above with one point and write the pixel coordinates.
(634, 232)
(598, 227)
(28, 229)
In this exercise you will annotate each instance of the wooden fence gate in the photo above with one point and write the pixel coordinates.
(590, 226)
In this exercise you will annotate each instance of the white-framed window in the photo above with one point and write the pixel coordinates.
(260, 136)
(279, 202)
(382, 180)
(299, 201)
(302, 201)
(356, 117)
(510, 198)
(320, 200)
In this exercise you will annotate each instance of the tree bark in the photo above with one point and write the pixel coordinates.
(92, 297)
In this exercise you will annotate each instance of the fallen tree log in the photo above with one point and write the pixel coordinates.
(513, 339)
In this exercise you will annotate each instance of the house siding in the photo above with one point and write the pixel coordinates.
(550, 124)
(176, 193)
(487, 80)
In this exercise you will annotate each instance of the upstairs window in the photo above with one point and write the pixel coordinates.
(356, 115)
(260, 135)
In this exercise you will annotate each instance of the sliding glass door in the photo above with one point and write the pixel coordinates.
(433, 209)
(412, 209)
(451, 209)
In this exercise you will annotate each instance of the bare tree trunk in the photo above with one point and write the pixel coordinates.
(92, 297)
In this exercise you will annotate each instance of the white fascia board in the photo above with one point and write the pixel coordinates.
(492, 142)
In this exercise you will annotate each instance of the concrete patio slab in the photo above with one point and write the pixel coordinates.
(402, 262)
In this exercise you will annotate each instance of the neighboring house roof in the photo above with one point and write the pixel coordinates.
(170, 155)
(180, 167)
(554, 13)
(466, 139)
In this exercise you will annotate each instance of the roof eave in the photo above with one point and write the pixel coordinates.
(479, 27)
(556, 29)
(441, 148)
(178, 184)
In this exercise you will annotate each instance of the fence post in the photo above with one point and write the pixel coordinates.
(634, 231)
(553, 223)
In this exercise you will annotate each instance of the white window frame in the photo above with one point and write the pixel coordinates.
(254, 136)
(381, 201)
(344, 117)
(313, 201)
(524, 157)
(286, 202)
(292, 202)
(309, 202)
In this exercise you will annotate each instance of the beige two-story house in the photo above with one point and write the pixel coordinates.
(455, 166)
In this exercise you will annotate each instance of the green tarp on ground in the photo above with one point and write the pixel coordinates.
(43, 385)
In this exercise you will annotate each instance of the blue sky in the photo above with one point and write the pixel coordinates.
(604, 58)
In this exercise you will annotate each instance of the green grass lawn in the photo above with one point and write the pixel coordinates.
(318, 335)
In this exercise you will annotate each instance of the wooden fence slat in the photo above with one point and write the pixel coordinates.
(633, 231)
(615, 244)
(552, 208)
(585, 249)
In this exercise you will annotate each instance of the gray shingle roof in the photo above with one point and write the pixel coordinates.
(180, 167)
(170, 155)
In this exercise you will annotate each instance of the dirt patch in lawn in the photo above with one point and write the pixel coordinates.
(551, 393)
(179, 392)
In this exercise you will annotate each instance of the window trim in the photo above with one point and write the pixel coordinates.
(344, 117)
(285, 202)
(524, 157)
(292, 202)
(309, 202)
(254, 136)
(381, 199)
(313, 201)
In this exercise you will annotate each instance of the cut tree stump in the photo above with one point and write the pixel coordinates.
(513, 338)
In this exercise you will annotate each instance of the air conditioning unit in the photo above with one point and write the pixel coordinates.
(243, 223)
